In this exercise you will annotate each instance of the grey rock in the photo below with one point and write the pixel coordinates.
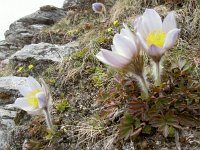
(77, 4)
(6, 49)
(21, 32)
(8, 88)
(47, 16)
(6, 124)
(4, 137)
(8, 93)
(43, 52)
(2, 55)
(4, 43)
(71, 4)
(6, 112)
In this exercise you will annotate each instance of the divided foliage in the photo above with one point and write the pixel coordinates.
(170, 108)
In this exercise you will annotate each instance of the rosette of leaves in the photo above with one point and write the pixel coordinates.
(171, 108)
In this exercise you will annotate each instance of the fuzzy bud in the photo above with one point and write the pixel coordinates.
(98, 8)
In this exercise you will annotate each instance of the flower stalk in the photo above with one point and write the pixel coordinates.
(136, 67)
(144, 87)
(157, 74)
(100, 9)
(48, 118)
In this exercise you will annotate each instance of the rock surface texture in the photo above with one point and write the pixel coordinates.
(22, 31)
(8, 88)
(78, 4)
(8, 93)
(71, 4)
(44, 52)
(6, 49)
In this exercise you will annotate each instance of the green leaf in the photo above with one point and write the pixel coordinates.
(138, 109)
(129, 127)
(187, 119)
(126, 126)
(171, 131)
(147, 129)
(62, 106)
(163, 122)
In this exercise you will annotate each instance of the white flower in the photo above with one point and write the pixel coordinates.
(156, 36)
(124, 49)
(36, 96)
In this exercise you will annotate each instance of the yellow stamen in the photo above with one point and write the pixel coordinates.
(32, 98)
(157, 38)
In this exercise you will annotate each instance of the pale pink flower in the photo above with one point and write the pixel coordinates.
(154, 35)
(124, 49)
(37, 99)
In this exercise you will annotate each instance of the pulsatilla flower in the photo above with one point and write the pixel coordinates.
(125, 56)
(98, 8)
(36, 99)
(156, 36)
(124, 49)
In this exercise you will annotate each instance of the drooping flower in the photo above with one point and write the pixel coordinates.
(98, 8)
(124, 49)
(37, 98)
(156, 36)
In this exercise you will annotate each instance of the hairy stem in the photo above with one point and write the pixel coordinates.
(157, 75)
(48, 118)
(144, 86)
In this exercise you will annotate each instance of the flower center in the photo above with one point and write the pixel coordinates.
(157, 38)
(32, 98)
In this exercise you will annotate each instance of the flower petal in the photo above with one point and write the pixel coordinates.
(24, 90)
(41, 100)
(35, 112)
(142, 42)
(171, 38)
(33, 83)
(140, 26)
(169, 22)
(155, 51)
(127, 32)
(152, 19)
(113, 59)
(124, 46)
(46, 90)
(113, 48)
(22, 103)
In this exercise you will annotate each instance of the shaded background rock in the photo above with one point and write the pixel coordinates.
(7, 123)
(6, 49)
(43, 52)
(71, 4)
(78, 4)
(21, 32)
(8, 93)
(8, 88)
